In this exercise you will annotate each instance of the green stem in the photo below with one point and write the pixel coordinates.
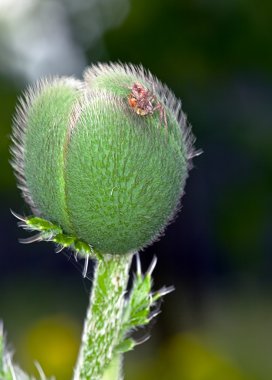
(114, 370)
(101, 332)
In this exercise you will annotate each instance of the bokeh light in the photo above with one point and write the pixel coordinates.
(53, 342)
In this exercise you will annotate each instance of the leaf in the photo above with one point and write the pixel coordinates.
(125, 346)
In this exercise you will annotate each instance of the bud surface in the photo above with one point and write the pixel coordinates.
(105, 158)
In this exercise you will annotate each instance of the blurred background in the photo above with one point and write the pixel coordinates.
(216, 55)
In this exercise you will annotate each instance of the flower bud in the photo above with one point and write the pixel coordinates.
(105, 158)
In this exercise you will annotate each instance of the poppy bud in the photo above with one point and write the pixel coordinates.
(105, 158)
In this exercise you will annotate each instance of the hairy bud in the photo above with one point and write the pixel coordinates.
(105, 158)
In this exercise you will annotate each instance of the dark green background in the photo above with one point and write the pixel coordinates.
(217, 57)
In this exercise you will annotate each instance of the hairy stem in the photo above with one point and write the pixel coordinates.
(114, 370)
(101, 332)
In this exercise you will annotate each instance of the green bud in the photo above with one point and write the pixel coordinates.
(106, 158)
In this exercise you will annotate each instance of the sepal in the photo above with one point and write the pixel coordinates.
(48, 231)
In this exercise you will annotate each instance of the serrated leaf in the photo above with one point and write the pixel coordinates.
(81, 246)
(42, 224)
(125, 346)
(64, 240)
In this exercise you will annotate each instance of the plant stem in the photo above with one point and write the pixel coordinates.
(114, 370)
(104, 318)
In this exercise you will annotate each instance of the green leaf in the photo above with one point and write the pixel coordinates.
(125, 346)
